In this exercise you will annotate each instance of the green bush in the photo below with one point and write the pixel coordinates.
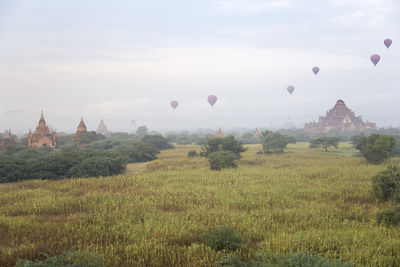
(377, 148)
(69, 258)
(274, 142)
(389, 217)
(221, 159)
(300, 259)
(228, 143)
(223, 238)
(192, 154)
(158, 141)
(386, 184)
(97, 166)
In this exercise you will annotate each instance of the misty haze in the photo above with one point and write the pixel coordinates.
(199, 133)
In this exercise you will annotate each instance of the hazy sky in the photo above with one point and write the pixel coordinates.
(126, 60)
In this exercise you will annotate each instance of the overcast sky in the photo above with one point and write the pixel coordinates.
(127, 60)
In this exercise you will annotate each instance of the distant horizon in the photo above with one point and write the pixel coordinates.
(127, 60)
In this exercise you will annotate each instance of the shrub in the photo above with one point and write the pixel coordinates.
(69, 258)
(386, 184)
(137, 152)
(223, 238)
(300, 259)
(221, 159)
(158, 141)
(389, 217)
(228, 143)
(97, 166)
(89, 137)
(274, 142)
(192, 154)
(359, 141)
(377, 148)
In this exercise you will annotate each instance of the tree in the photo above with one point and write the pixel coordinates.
(274, 142)
(222, 159)
(325, 143)
(141, 131)
(97, 166)
(378, 148)
(158, 141)
(228, 143)
(359, 141)
(137, 152)
(386, 184)
(90, 137)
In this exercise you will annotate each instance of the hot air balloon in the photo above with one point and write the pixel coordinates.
(387, 42)
(290, 89)
(315, 70)
(375, 59)
(212, 99)
(174, 104)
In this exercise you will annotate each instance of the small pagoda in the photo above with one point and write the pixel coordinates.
(256, 134)
(80, 130)
(219, 134)
(9, 141)
(102, 128)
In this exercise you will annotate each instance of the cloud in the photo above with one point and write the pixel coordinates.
(120, 107)
(253, 6)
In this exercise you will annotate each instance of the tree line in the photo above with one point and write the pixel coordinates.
(102, 157)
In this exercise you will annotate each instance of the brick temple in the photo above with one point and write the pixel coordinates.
(42, 135)
(81, 129)
(339, 119)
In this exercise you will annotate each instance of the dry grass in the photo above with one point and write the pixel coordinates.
(157, 214)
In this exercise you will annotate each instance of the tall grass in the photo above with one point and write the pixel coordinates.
(303, 200)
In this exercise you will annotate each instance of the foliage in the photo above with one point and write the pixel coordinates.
(141, 131)
(223, 238)
(299, 259)
(386, 184)
(38, 164)
(316, 202)
(192, 154)
(389, 217)
(325, 143)
(274, 142)
(222, 159)
(248, 138)
(64, 139)
(69, 258)
(359, 141)
(158, 141)
(97, 166)
(89, 137)
(228, 143)
(11, 169)
(378, 148)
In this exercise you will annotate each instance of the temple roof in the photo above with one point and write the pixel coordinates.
(81, 127)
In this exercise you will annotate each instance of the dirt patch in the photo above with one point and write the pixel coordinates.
(5, 185)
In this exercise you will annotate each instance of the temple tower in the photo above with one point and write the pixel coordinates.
(80, 130)
(42, 136)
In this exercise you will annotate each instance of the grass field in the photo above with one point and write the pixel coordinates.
(157, 214)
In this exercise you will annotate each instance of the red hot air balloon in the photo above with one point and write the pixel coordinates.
(388, 42)
(212, 99)
(174, 104)
(290, 89)
(315, 70)
(375, 59)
